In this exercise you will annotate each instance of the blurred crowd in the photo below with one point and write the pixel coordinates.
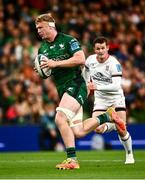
(27, 99)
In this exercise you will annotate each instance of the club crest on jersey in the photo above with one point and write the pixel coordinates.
(107, 68)
(92, 65)
(53, 46)
(61, 46)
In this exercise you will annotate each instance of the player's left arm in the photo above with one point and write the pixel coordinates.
(78, 58)
(77, 54)
(114, 86)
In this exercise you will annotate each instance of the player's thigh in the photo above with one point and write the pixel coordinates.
(69, 102)
(97, 113)
(101, 104)
(67, 109)
(120, 107)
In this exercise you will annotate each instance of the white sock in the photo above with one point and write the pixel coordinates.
(109, 127)
(126, 141)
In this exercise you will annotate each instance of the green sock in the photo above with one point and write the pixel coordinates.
(103, 118)
(71, 153)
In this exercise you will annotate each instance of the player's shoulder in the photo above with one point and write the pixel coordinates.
(91, 57)
(43, 45)
(115, 65)
(113, 59)
(67, 37)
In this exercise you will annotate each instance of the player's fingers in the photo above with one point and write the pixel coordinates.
(44, 65)
(35, 70)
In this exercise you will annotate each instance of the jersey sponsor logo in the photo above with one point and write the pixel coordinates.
(81, 98)
(74, 45)
(46, 54)
(53, 46)
(61, 57)
(100, 77)
(71, 89)
(61, 46)
(118, 66)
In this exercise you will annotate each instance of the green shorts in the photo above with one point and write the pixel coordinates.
(76, 88)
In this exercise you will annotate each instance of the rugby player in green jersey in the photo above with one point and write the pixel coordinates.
(65, 57)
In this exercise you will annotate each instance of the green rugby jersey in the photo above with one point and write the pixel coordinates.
(62, 48)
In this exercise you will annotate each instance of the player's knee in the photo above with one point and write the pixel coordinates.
(60, 118)
(99, 130)
(78, 133)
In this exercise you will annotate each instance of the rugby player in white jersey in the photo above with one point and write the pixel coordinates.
(103, 74)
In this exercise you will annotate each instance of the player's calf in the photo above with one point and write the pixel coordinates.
(105, 128)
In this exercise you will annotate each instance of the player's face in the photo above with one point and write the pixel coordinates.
(44, 30)
(101, 49)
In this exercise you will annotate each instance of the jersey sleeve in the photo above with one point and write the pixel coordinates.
(116, 69)
(74, 45)
(114, 86)
(86, 71)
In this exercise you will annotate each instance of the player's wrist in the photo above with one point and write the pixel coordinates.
(58, 63)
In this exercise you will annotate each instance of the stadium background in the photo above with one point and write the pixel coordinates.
(26, 100)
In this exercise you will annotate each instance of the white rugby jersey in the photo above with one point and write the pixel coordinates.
(107, 76)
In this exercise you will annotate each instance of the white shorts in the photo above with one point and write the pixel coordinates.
(117, 101)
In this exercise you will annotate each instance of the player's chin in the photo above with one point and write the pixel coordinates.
(42, 37)
(101, 55)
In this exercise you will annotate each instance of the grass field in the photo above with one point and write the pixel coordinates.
(94, 165)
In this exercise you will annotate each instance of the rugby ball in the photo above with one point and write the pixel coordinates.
(43, 73)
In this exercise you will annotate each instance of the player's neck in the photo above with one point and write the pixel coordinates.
(52, 37)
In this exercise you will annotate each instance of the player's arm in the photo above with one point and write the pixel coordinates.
(77, 55)
(114, 86)
(78, 58)
(87, 76)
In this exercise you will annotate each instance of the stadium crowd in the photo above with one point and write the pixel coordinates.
(24, 97)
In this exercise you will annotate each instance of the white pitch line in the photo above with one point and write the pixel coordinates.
(42, 161)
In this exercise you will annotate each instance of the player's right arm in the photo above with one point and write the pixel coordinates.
(86, 74)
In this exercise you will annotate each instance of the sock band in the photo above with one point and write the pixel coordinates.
(71, 152)
(103, 118)
(126, 137)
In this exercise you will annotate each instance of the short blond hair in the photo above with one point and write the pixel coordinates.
(46, 17)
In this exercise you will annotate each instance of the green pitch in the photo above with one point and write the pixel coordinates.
(94, 165)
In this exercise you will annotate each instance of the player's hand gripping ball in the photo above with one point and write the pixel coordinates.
(45, 72)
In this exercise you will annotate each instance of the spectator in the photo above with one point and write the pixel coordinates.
(48, 136)
(85, 20)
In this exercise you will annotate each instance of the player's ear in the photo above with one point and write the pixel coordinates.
(108, 47)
